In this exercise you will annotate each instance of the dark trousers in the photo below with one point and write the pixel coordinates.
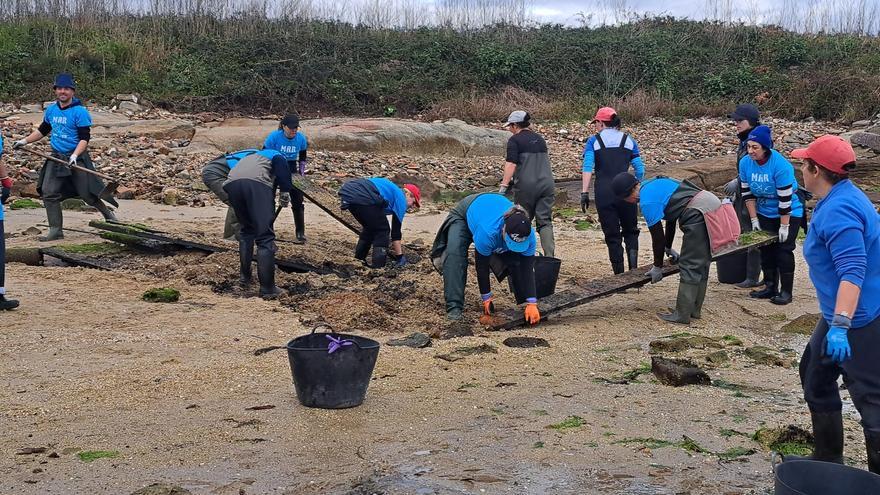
(620, 222)
(2, 256)
(861, 374)
(779, 256)
(455, 265)
(296, 198)
(375, 229)
(254, 205)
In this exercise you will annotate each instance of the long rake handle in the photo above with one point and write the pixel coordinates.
(77, 167)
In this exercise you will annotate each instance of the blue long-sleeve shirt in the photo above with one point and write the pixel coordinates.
(772, 185)
(654, 195)
(612, 137)
(485, 218)
(843, 243)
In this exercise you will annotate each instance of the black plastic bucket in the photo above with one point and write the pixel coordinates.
(806, 477)
(732, 268)
(546, 276)
(331, 380)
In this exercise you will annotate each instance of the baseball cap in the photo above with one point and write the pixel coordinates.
(829, 152)
(517, 230)
(416, 192)
(605, 114)
(291, 121)
(64, 80)
(746, 111)
(517, 117)
(622, 184)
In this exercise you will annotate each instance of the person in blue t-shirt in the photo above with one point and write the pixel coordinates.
(370, 201)
(769, 189)
(842, 250)
(214, 175)
(609, 152)
(5, 191)
(503, 240)
(293, 145)
(68, 124)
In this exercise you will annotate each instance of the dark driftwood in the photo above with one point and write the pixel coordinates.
(678, 372)
(591, 290)
(75, 259)
(327, 201)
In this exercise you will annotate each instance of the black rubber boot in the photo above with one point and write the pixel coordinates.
(828, 438)
(684, 304)
(872, 442)
(753, 270)
(361, 250)
(55, 220)
(105, 211)
(266, 274)
(246, 260)
(786, 280)
(299, 222)
(617, 268)
(697, 312)
(7, 304)
(769, 289)
(632, 257)
(380, 257)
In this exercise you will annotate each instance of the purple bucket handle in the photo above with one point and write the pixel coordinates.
(336, 343)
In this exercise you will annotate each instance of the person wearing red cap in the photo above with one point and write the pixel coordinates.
(608, 153)
(370, 201)
(842, 250)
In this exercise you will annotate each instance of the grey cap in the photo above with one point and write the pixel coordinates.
(517, 117)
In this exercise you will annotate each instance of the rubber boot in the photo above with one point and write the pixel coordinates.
(697, 312)
(632, 257)
(453, 314)
(684, 304)
(55, 220)
(617, 268)
(299, 222)
(872, 442)
(266, 274)
(828, 439)
(104, 210)
(7, 304)
(246, 259)
(769, 289)
(753, 270)
(380, 257)
(548, 242)
(361, 250)
(786, 280)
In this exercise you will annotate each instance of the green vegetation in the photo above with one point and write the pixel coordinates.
(660, 66)
(732, 340)
(583, 225)
(785, 440)
(754, 237)
(538, 445)
(647, 443)
(93, 248)
(568, 423)
(634, 373)
(161, 294)
(94, 455)
(24, 204)
(735, 452)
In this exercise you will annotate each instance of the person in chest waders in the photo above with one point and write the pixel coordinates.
(842, 250)
(608, 153)
(68, 125)
(292, 143)
(251, 189)
(528, 170)
(214, 175)
(504, 242)
(370, 201)
(5, 191)
(745, 118)
(708, 226)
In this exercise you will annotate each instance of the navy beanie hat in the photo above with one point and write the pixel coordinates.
(64, 80)
(761, 135)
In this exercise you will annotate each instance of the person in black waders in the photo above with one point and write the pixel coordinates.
(745, 117)
(370, 201)
(214, 175)
(5, 191)
(528, 170)
(842, 250)
(675, 201)
(293, 145)
(608, 153)
(69, 127)
(251, 189)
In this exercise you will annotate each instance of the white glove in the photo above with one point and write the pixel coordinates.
(656, 274)
(284, 199)
(673, 255)
(502, 189)
(783, 232)
(72, 160)
(19, 143)
(755, 224)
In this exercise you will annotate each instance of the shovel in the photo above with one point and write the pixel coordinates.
(107, 194)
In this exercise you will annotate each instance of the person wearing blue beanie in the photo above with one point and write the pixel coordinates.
(769, 190)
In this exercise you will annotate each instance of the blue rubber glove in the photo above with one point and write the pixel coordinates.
(401, 261)
(837, 345)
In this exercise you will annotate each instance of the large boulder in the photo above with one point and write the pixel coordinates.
(380, 135)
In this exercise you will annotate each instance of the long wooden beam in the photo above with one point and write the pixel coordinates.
(327, 201)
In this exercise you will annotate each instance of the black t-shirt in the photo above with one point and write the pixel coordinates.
(525, 141)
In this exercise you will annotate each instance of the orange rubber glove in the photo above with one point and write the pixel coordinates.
(532, 314)
(488, 305)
